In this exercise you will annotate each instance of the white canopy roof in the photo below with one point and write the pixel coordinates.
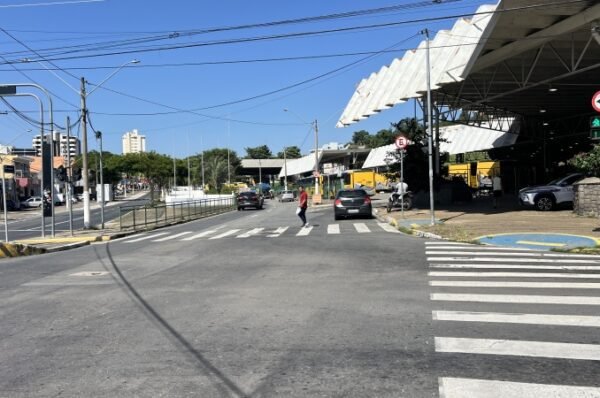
(380, 156)
(301, 165)
(463, 139)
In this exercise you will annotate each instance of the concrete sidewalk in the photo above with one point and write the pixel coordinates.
(469, 221)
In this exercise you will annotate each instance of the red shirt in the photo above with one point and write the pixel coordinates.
(303, 200)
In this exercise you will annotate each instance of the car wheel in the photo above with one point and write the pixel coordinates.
(544, 203)
(336, 217)
(239, 208)
(260, 207)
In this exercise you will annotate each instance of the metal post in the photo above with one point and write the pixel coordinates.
(402, 182)
(285, 187)
(70, 176)
(84, 159)
(316, 157)
(52, 197)
(430, 130)
(99, 136)
(4, 206)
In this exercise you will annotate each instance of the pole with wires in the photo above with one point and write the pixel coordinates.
(429, 129)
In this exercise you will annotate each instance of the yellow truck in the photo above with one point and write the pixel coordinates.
(369, 178)
(474, 173)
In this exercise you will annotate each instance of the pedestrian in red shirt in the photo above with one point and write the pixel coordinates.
(302, 205)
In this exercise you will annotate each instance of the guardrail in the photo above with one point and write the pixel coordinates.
(141, 217)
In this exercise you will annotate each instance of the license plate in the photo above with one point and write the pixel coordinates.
(352, 211)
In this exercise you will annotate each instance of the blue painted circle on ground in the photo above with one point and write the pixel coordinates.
(539, 241)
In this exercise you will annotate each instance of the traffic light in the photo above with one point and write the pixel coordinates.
(595, 127)
(62, 173)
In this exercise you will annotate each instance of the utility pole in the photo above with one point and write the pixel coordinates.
(99, 137)
(4, 205)
(84, 159)
(202, 161)
(228, 161)
(316, 158)
(285, 168)
(429, 130)
(69, 176)
(52, 197)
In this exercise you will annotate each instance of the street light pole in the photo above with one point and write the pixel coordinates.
(430, 130)
(99, 137)
(285, 168)
(316, 157)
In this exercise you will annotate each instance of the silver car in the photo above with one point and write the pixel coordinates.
(34, 201)
(286, 196)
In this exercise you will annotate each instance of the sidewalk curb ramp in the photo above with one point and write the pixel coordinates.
(414, 232)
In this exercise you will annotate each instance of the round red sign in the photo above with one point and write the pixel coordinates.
(401, 142)
(596, 101)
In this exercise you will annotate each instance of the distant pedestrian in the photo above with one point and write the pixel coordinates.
(497, 188)
(302, 206)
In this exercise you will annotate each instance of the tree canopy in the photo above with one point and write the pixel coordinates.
(292, 152)
(259, 152)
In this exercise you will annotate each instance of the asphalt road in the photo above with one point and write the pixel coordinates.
(248, 304)
(27, 223)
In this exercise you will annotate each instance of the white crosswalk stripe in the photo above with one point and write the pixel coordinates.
(277, 232)
(305, 231)
(333, 229)
(250, 233)
(224, 234)
(145, 237)
(172, 236)
(361, 228)
(458, 268)
(200, 235)
(388, 228)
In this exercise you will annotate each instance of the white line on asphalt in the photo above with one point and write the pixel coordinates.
(224, 234)
(445, 242)
(250, 233)
(519, 348)
(254, 215)
(145, 237)
(361, 228)
(531, 285)
(277, 232)
(514, 266)
(388, 227)
(529, 254)
(529, 319)
(172, 237)
(485, 248)
(513, 260)
(460, 388)
(304, 231)
(516, 299)
(333, 229)
(515, 275)
(200, 235)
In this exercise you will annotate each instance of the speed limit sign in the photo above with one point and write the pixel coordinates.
(401, 142)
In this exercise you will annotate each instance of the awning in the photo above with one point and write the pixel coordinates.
(463, 139)
(380, 157)
(301, 165)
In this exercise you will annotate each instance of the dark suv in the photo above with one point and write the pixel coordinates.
(249, 199)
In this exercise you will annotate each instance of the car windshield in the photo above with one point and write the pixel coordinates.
(358, 193)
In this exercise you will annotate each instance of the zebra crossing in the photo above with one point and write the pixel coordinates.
(238, 233)
(512, 278)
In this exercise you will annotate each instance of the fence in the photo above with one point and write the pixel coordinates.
(141, 217)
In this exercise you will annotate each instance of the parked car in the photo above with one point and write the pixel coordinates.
(250, 199)
(547, 197)
(34, 201)
(352, 202)
(286, 196)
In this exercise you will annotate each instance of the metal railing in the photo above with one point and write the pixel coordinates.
(142, 217)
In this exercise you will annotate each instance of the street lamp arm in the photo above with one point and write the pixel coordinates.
(97, 86)
(28, 60)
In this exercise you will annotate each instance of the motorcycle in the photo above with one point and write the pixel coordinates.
(398, 200)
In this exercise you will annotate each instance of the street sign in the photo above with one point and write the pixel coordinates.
(401, 142)
(596, 101)
(9, 169)
(11, 90)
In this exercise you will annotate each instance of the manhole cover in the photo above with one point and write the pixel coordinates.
(90, 273)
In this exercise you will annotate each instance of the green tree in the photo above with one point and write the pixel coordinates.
(292, 152)
(587, 162)
(259, 152)
(361, 138)
(215, 166)
(155, 167)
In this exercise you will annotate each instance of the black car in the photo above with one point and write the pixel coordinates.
(352, 202)
(249, 199)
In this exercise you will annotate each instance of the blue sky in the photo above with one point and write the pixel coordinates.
(171, 81)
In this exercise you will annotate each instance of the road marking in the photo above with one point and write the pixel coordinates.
(277, 232)
(388, 227)
(485, 248)
(451, 387)
(533, 243)
(333, 229)
(515, 275)
(200, 235)
(304, 231)
(361, 228)
(172, 236)
(516, 299)
(529, 254)
(513, 260)
(529, 319)
(224, 234)
(445, 242)
(519, 348)
(514, 266)
(531, 285)
(250, 233)
(145, 237)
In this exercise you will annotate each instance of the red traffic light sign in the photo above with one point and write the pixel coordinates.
(401, 142)
(596, 101)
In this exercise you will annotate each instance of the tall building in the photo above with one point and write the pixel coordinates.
(62, 146)
(133, 142)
